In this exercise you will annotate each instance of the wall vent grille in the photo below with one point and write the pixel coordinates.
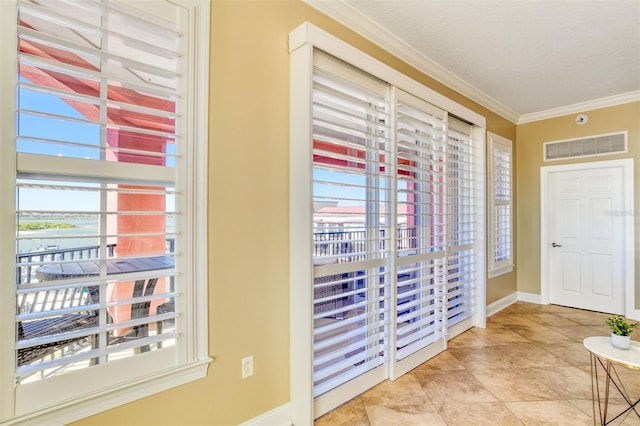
(586, 147)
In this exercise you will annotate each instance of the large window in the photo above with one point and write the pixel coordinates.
(102, 153)
(500, 206)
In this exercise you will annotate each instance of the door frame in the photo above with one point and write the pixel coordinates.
(629, 231)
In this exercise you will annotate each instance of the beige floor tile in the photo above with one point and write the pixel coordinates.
(549, 319)
(581, 332)
(627, 379)
(530, 355)
(498, 336)
(514, 385)
(629, 421)
(528, 366)
(511, 319)
(352, 413)
(442, 361)
(418, 415)
(453, 386)
(406, 390)
(630, 380)
(614, 395)
(523, 308)
(568, 382)
(586, 317)
(574, 353)
(557, 309)
(539, 334)
(473, 358)
(615, 408)
(478, 414)
(556, 413)
(468, 338)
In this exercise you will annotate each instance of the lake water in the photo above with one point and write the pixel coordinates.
(84, 234)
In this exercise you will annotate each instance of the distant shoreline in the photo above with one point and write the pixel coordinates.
(36, 226)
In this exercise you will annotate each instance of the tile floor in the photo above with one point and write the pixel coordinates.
(527, 367)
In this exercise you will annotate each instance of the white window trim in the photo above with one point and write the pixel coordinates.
(195, 318)
(503, 267)
(302, 42)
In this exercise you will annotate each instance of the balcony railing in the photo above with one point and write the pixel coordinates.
(27, 263)
(347, 245)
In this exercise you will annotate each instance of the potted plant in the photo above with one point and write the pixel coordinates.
(621, 330)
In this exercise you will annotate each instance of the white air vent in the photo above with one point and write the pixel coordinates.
(586, 147)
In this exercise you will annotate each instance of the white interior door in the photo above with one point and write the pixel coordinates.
(585, 237)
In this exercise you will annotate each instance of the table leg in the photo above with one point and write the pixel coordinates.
(603, 406)
(606, 392)
(595, 390)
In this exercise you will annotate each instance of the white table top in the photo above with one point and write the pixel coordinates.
(601, 346)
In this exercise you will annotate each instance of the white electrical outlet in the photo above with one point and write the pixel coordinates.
(247, 367)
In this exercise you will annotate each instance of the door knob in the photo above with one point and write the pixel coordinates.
(556, 245)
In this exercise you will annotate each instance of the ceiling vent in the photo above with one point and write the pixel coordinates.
(589, 146)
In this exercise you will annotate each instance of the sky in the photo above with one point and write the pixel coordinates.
(37, 126)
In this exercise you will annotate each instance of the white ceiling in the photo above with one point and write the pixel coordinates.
(523, 58)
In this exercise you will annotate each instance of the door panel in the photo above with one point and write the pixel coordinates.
(570, 272)
(586, 262)
(570, 216)
(602, 283)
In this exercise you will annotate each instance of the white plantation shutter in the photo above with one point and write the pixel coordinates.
(386, 219)
(105, 170)
(462, 209)
(500, 195)
(351, 222)
(112, 98)
(421, 226)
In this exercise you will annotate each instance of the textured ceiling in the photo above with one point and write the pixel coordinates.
(528, 56)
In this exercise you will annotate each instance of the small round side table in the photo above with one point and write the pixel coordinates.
(608, 357)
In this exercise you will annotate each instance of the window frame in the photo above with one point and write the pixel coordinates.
(190, 364)
(497, 268)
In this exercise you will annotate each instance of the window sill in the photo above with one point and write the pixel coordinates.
(500, 271)
(91, 404)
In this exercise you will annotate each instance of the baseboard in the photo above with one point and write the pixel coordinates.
(279, 416)
(530, 297)
(500, 304)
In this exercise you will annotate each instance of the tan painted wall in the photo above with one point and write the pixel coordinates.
(248, 217)
(530, 138)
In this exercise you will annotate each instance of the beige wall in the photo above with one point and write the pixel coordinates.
(248, 217)
(530, 138)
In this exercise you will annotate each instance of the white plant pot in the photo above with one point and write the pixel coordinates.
(620, 342)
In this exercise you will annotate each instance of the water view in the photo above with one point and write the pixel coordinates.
(82, 233)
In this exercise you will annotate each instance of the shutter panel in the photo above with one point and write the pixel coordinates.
(97, 117)
(421, 162)
(351, 203)
(461, 211)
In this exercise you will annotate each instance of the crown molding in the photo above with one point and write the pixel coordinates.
(609, 101)
(370, 30)
(365, 27)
